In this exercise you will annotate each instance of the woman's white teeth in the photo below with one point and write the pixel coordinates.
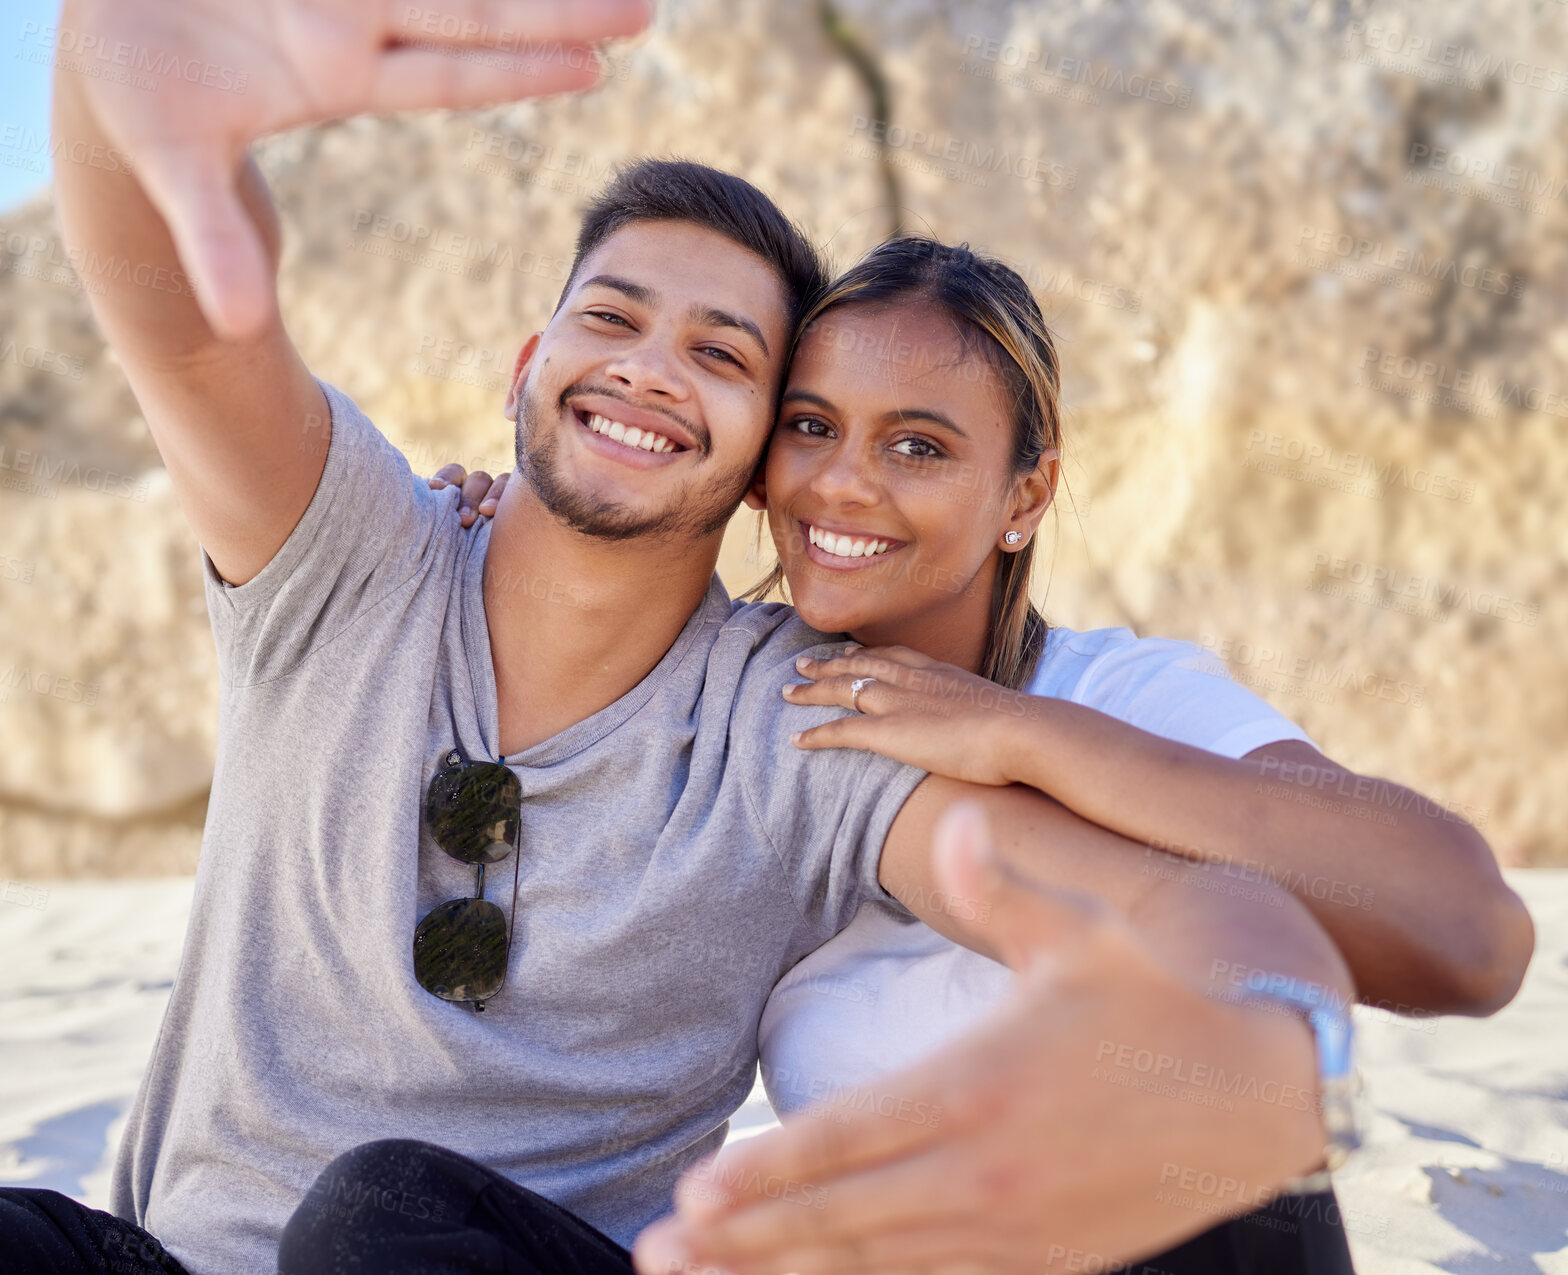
(633, 437)
(847, 546)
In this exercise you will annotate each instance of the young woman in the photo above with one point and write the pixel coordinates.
(917, 449)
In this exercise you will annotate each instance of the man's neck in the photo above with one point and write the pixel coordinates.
(576, 622)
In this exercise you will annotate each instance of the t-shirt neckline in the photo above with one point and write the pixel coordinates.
(714, 609)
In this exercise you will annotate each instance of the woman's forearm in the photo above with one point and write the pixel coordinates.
(1409, 892)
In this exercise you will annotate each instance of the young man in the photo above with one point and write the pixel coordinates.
(666, 851)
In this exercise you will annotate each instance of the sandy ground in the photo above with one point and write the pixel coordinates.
(1465, 1168)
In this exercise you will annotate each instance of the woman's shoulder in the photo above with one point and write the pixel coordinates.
(1069, 654)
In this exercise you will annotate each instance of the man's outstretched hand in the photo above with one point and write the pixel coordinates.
(1042, 1141)
(223, 75)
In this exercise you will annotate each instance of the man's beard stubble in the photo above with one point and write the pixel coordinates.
(697, 510)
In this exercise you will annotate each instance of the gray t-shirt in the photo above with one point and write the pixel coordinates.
(679, 854)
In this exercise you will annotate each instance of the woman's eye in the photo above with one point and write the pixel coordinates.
(920, 448)
(811, 426)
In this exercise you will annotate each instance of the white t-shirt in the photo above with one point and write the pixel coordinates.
(887, 990)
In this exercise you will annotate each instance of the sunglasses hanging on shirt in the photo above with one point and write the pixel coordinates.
(474, 812)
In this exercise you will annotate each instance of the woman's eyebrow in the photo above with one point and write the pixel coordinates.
(941, 419)
(896, 417)
(806, 396)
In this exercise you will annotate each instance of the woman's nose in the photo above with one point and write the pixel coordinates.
(847, 476)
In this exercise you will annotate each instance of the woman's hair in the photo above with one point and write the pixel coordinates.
(1001, 324)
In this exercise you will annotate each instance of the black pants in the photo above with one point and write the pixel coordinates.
(409, 1208)
(46, 1233)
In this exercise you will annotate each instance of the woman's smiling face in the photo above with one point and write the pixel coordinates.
(889, 479)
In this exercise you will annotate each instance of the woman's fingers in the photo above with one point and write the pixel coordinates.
(480, 495)
(448, 475)
(875, 696)
(889, 663)
(842, 732)
(474, 488)
(491, 500)
(878, 696)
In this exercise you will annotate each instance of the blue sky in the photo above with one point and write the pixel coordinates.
(24, 99)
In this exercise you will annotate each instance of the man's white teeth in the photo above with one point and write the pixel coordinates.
(633, 437)
(846, 546)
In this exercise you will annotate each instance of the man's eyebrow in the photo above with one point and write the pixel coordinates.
(714, 317)
(707, 314)
(639, 292)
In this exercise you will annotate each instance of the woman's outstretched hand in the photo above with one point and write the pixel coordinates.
(481, 494)
(916, 710)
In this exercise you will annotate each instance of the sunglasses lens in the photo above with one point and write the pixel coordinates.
(473, 811)
(460, 950)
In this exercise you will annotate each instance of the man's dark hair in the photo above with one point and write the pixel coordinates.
(679, 190)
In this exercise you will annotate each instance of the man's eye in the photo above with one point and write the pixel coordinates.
(607, 317)
(720, 352)
(920, 448)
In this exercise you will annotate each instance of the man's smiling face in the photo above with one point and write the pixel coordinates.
(644, 406)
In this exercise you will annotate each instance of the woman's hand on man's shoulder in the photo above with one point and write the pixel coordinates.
(916, 710)
(481, 494)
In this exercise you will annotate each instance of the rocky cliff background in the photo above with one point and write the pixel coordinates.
(1308, 262)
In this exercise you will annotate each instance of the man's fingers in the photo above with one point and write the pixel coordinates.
(414, 79)
(885, 1119)
(1030, 924)
(518, 25)
(865, 1220)
(194, 188)
(463, 54)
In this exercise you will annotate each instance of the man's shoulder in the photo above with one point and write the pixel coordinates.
(771, 636)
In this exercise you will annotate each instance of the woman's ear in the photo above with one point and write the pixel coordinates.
(525, 360)
(757, 494)
(1034, 496)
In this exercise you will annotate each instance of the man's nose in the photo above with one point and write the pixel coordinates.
(649, 367)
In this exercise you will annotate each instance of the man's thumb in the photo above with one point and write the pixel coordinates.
(1024, 922)
(195, 189)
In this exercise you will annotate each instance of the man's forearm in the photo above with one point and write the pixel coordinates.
(118, 240)
(1204, 933)
(1221, 937)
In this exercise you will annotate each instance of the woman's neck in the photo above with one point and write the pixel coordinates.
(961, 644)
